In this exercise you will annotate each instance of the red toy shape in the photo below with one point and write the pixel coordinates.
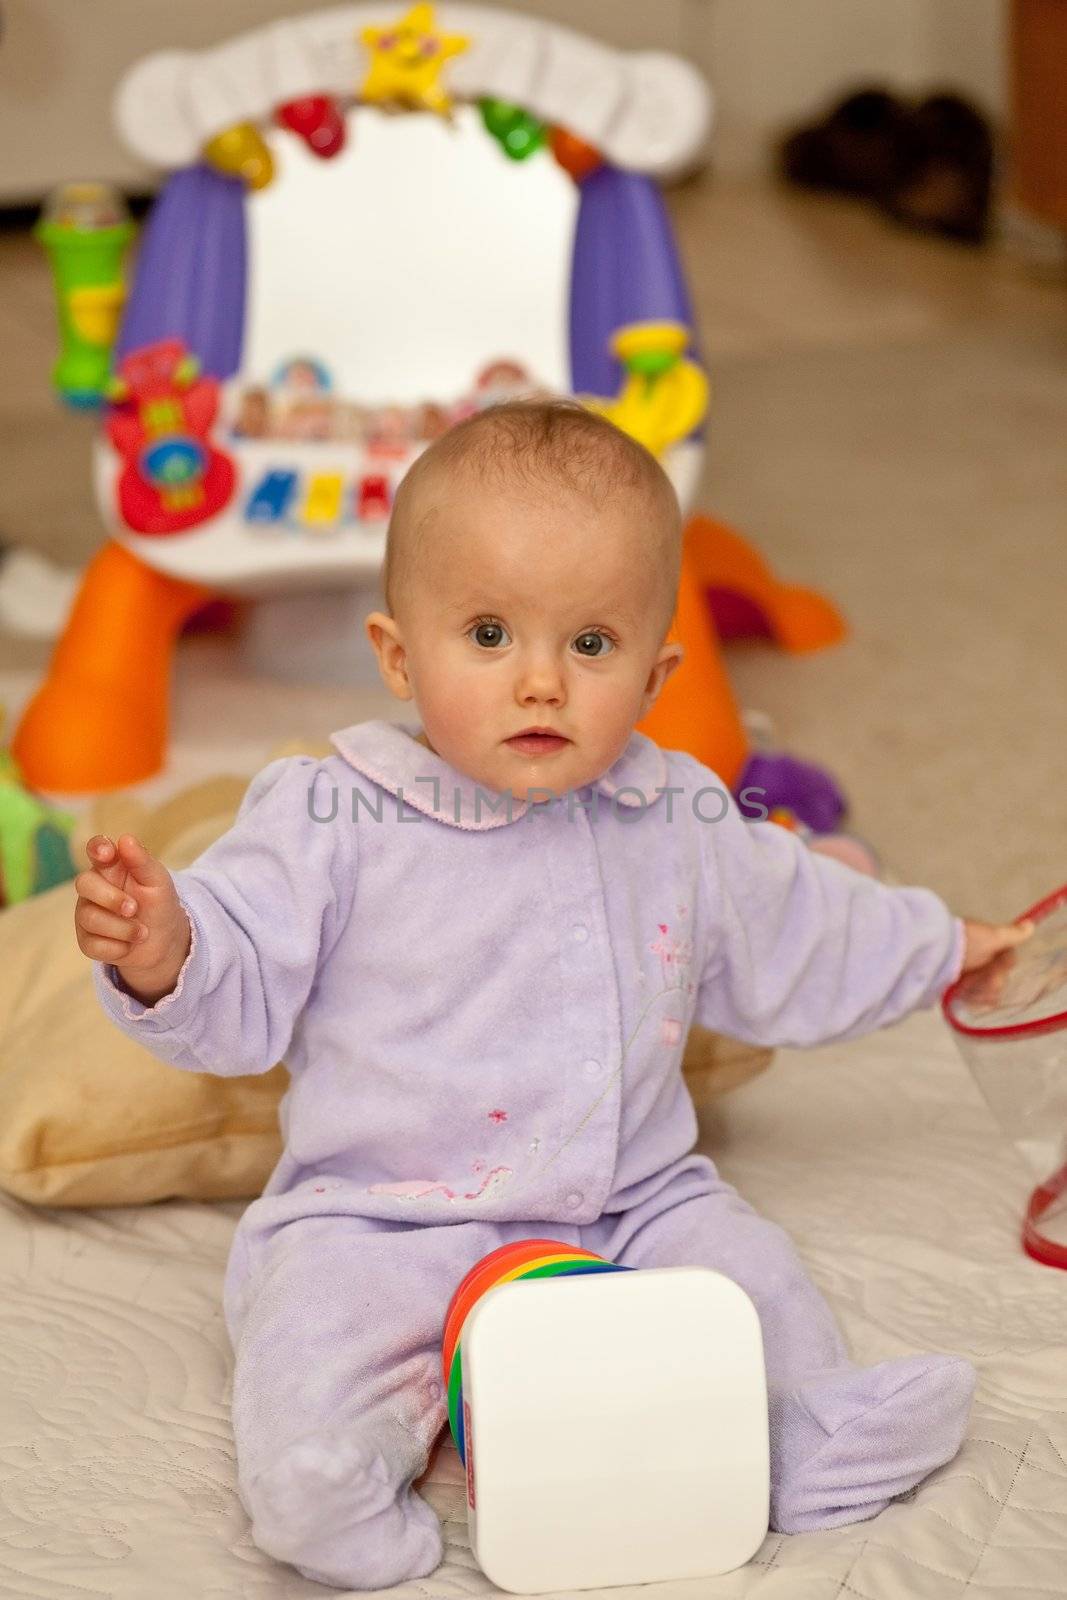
(374, 498)
(318, 121)
(174, 475)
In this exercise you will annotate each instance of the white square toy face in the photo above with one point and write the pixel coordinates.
(616, 1429)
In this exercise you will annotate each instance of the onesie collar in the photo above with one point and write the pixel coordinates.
(389, 754)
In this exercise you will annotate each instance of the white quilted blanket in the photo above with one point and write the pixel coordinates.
(116, 1460)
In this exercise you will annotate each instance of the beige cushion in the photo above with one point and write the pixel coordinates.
(89, 1118)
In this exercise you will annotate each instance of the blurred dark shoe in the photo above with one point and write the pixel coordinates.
(950, 188)
(929, 165)
(864, 146)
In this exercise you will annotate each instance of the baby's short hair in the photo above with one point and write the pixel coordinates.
(535, 442)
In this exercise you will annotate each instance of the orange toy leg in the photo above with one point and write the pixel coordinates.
(100, 718)
(798, 619)
(696, 711)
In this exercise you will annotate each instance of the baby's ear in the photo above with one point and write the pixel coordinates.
(670, 657)
(677, 656)
(384, 634)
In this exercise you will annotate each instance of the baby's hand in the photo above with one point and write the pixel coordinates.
(989, 948)
(984, 941)
(128, 913)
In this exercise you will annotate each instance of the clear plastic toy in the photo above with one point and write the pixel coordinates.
(1010, 1022)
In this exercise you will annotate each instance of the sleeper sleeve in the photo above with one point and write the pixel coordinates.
(265, 903)
(802, 950)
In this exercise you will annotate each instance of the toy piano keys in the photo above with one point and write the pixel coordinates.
(287, 501)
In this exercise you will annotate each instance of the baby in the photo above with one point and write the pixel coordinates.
(479, 945)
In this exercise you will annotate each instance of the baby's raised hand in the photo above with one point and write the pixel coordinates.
(128, 913)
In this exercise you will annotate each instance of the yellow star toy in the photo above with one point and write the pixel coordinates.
(406, 62)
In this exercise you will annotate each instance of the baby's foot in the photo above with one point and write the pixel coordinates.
(847, 1441)
(331, 1508)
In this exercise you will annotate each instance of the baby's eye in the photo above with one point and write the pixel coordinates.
(593, 639)
(488, 634)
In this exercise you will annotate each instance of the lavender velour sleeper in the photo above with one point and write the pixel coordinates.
(483, 1010)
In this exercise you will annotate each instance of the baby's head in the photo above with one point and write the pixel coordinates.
(530, 580)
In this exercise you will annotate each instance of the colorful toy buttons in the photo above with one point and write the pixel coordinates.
(406, 62)
(174, 475)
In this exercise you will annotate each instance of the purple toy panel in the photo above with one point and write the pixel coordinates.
(191, 275)
(625, 269)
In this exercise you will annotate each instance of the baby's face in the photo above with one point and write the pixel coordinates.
(531, 609)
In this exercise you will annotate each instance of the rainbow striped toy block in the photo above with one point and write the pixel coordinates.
(612, 1420)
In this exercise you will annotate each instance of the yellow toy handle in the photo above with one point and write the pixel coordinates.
(665, 396)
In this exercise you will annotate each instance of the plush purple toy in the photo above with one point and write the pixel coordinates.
(807, 791)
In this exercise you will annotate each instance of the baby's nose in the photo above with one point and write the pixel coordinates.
(541, 680)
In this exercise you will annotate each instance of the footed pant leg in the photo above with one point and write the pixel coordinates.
(337, 1393)
(845, 1440)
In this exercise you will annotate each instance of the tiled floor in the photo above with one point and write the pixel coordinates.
(889, 424)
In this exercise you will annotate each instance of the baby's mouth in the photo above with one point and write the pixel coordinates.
(537, 744)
